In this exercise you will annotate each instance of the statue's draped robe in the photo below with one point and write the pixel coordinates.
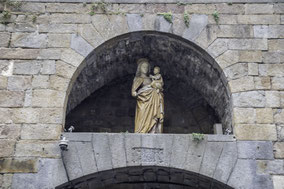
(149, 109)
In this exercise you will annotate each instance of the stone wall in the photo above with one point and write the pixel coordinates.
(43, 46)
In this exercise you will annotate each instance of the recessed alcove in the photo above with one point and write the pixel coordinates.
(196, 92)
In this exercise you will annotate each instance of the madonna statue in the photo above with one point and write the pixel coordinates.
(148, 91)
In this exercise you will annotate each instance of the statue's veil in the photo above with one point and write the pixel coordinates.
(139, 63)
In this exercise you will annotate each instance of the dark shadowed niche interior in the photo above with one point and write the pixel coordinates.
(144, 177)
(196, 92)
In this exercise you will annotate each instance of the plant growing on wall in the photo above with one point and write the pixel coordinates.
(168, 16)
(216, 16)
(186, 19)
(6, 13)
(98, 6)
(197, 137)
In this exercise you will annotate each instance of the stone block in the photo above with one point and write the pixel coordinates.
(164, 142)
(260, 31)
(270, 167)
(258, 9)
(48, 67)
(17, 53)
(278, 181)
(196, 25)
(26, 67)
(7, 148)
(244, 115)
(102, 151)
(132, 148)
(21, 27)
(271, 31)
(272, 98)
(278, 7)
(41, 131)
(70, 18)
(4, 39)
(49, 54)
(11, 98)
(48, 98)
(226, 162)
(51, 173)
(6, 115)
(57, 28)
(236, 71)
(179, 25)
(241, 84)
(33, 7)
(59, 40)
(59, 83)
(6, 181)
(262, 82)
(218, 47)
(200, 8)
(3, 82)
(10, 131)
(67, 8)
(224, 8)
(249, 99)
(248, 44)
(277, 83)
(64, 70)
(278, 116)
(117, 148)
(37, 149)
(148, 21)
(271, 70)
(282, 19)
(71, 57)
(220, 138)
(228, 58)
(89, 33)
(252, 69)
(276, 45)
(19, 83)
(278, 149)
(25, 115)
(78, 137)
(250, 56)
(211, 156)
(40, 82)
(273, 57)
(51, 115)
(33, 40)
(258, 19)
(28, 98)
(234, 31)
(134, 22)
(80, 45)
(180, 142)
(255, 150)
(264, 115)
(18, 165)
(161, 24)
(256, 132)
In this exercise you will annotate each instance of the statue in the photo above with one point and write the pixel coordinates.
(148, 90)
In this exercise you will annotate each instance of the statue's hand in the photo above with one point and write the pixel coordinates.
(134, 94)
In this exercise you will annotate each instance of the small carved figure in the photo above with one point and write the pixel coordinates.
(157, 80)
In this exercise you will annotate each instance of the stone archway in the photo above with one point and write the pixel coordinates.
(190, 74)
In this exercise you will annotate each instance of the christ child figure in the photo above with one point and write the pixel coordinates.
(157, 80)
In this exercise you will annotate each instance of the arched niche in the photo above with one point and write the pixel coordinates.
(196, 90)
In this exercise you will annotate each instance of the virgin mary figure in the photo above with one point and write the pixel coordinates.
(149, 115)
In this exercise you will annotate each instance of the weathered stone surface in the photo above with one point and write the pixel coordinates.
(228, 58)
(218, 47)
(33, 7)
(196, 25)
(250, 56)
(276, 44)
(6, 181)
(132, 144)
(29, 67)
(134, 22)
(19, 83)
(66, 8)
(49, 54)
(264, 115)
(51, 115)
(255, 149)
(64, 70)
(59, 83)
(178, 153)
(161, 24)
(70, 18)
(258, 9)
(102, 151)
(226, 162)
(247, 44)
(10, 131)
(179, 25)
(211, 157)
(200, 8)
(40, 81)
(258, 19)
(18, 165)
(3, 82)
(277, 83)
(252, 69)
(164, 142)
(48, 98)
(282, 19)
(278, 115)
(7, 148)
(260, 31)
(11, 98)
(236, 71)
(280, 132)
(234, 31)
(270, 167)
(48, 67)
(81, 137)
(80, 45)
(271, 70)
(256, 132)
(4, 39)
(59, 40)
(273, 57)
(5, 115)
(17, 53)
(57, 28)
(25, 115)
(278, 181)
(148, 21)
(37, 149)
(244, 115)
(262, 82)
(41, 131)
(28, 98)
(249, 99)
(117, 148)
(279, 150)
(241, 84)
(33, 40)
(278, 7)
(271, 31)
(89, 33)
(51, 173)
(272, 98)
(71, 57)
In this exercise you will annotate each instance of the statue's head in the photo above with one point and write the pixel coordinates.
(143, 67)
